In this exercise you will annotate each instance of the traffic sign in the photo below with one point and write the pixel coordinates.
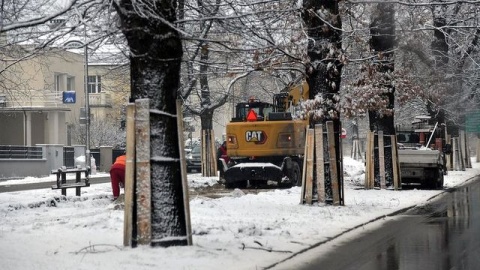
(69, 97)
(252, 115)
(472, 121)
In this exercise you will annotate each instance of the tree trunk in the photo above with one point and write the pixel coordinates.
(209, 149)
(156, 54)
(324, 70)
(382, 30)
(440, 54)
(206, 117)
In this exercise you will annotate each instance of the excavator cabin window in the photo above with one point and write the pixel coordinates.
(262, 109)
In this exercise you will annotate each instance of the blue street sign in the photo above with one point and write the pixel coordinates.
(69, 97)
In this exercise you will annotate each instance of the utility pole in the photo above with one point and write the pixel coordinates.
(87, 107)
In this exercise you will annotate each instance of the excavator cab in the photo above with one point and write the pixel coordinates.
(245, 110)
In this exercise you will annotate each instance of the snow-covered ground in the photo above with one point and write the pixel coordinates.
(41, 230)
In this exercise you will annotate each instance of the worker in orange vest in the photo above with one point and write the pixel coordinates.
(117, 175)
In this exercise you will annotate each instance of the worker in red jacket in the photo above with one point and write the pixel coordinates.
(117, 175)
(222, 153)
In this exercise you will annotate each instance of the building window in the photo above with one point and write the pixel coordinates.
(70, 83)
(63, 82)
(74, 44)
(94, 84)
(58, 83)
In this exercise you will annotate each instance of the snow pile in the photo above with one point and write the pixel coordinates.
(196, 181)
(353, 172)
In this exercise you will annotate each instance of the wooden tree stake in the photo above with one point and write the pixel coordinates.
(369, 182)
(320, 162)
(213, 155)
(129, 178)
(396, 172)
(309, 161)
(304, 171)
(143, 183)
(183, 168)
(381, 160)
(333, 163)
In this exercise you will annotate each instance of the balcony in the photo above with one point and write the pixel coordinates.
(31, 99)
(51, 99)
(100, 100)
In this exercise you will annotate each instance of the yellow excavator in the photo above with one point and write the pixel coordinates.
(265, 142)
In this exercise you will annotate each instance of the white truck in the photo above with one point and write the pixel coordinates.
(422, 166)
(421, 162)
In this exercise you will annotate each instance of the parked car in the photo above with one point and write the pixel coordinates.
(194, 159)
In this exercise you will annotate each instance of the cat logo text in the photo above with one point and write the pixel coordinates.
(256, 136)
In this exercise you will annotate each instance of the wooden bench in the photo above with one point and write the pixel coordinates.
(62, 184)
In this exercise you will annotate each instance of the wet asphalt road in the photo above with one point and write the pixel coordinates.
(444, 234)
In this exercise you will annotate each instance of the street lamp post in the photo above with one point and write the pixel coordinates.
(87, 107)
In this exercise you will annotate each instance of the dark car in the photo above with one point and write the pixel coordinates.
(194, 159)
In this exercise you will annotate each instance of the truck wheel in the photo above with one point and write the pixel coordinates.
(296, 175)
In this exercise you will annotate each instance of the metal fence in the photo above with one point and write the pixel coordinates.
(20, 152)
(19, 161)
(36, 152)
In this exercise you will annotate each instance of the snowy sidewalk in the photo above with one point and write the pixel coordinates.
(40, 230)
